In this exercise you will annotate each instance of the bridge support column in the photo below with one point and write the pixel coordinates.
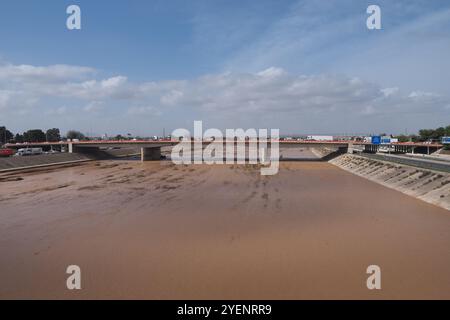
(150, 154)
(350, 148)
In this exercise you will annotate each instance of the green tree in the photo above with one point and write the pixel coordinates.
(426, 134)
(73, 134)
(53, 135)
(415, 138)
(5, 135)
(18, 138)
(403, 138)
(34, 135)
(439, 133)
(434, 134)
(119, 137)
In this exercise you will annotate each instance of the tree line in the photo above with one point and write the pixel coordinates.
(54, 135)
(426, 135)
(38, 135)
(51, 135)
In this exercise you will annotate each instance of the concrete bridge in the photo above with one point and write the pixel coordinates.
(404, 147)
(151, 150)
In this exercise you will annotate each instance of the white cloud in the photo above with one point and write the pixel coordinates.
(272, 72)
(422, 94)
(138, 111)
(113, 82)
(272, 94)
(58, 111)
(50, 73)
(93, 106)
(368, 110)
(172, 98)
(4, 98)
(389, 91)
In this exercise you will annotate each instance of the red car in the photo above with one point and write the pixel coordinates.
(6, 152)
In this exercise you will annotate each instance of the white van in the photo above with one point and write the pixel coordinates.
(29, 151)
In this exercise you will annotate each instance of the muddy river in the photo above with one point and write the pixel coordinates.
(159, 231)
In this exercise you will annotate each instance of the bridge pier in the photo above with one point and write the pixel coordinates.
(371, 148)
(88, 151)
(400, 149)
(150, 154)
(350, 148)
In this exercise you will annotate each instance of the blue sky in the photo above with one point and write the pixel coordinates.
(302, 66)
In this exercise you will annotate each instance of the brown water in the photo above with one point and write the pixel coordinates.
(160, 231)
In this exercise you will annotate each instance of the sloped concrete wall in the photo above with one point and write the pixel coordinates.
(39, 160)
(427, 185)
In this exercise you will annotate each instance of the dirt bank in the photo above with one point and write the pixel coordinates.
(427, 185)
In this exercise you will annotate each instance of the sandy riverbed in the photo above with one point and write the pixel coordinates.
(155, 230)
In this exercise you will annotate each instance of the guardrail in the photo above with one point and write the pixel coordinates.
(420, 163)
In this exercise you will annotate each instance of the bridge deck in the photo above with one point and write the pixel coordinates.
(159, 143)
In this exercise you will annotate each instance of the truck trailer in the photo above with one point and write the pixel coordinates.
(29, 152)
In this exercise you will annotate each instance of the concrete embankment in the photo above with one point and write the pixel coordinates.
(18, 163)
(327, 153)
(47, 160)
(427, 185)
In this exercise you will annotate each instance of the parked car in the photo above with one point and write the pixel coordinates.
(6, 152)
